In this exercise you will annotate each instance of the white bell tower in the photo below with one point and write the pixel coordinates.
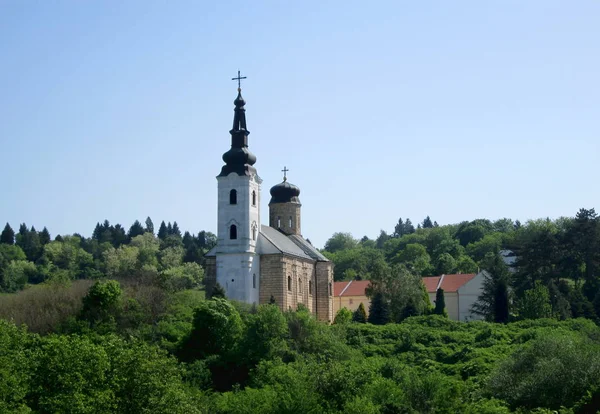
(238, 227)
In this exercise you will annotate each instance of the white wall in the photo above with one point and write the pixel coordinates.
(468, 295)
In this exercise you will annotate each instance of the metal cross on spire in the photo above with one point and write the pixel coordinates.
(285, 170)
(239, 79)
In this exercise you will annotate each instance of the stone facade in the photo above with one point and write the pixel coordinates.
(285, 216)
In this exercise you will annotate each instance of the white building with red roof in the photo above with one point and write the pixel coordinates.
(460, 293)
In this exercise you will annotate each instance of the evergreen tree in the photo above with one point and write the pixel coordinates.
(118, 235)
(162, 231)
(188, 240)
(136, 229)
(408, 227)
(58, 238)
(218, 292)
(149, 225)
(383, 237)
(169, 229)
(360, 314)
(399, 229)
(379, 311)
(175, 230)
(427, 224)
(45, 236)
(440, 303)
(493, 303)
(8, 235)
(96, 234)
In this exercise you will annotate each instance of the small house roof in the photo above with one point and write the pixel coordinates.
(351, 288)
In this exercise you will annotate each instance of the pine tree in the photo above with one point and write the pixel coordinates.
(58, 238)
(8, 235)
(118, 235)
(408, 227)
(188, 240)
(97, 232)
(440, 303)
(136, 229)
(360, 314)
(175, 230)
(218, 292)
(169, 229)
(45, 236)
(399, 229)
(149, 225)
(379, 311)
(427, 224)
(163, 231)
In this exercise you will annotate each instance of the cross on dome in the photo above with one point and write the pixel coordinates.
(239, 79)
(285, 170)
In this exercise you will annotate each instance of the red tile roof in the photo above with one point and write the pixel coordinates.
(451, 283)
(352, 288)
(431, 283)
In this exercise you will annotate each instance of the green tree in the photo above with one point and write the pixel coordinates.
(45, 236)
(162, 231)
(340, 241)
(360, 314)
(440, 303)
(379, 310)
(535, 303)
(149, 226)
(136, 229)
(427, 224)
(399, 229)
(217, 330)
(219, 292)
(8, 235)
(342, 316)
(445, 264)
(493, 302)
(266, 334)
(102, 303)
(16, 275)
(415, 257)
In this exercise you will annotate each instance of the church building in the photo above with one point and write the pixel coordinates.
(256, 263)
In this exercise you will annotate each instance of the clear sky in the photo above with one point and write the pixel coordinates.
(382, 109)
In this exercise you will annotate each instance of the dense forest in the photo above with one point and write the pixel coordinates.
(118, 322)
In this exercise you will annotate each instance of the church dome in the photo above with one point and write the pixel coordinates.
(284, 192)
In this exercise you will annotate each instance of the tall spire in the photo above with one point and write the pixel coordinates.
(239, 159)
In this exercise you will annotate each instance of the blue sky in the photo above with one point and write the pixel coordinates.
(385, 109)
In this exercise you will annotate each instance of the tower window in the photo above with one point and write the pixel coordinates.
(330, 290)
(300, 286)
(253, 198)
(290, 222)
(310, 287)
(289, 283)
(278, 222)
(233, 232)
(253, 233)
(254, 281)
(233, 197)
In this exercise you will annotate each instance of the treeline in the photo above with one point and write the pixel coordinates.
(217, 356)
(542, 268)
(32, 257)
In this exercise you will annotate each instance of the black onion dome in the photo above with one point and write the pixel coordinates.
(239, 159)
(285, 192)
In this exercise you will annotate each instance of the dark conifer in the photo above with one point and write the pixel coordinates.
(136, 229)
(408, 227)
(45, 236)
(118, 235)
(149, 225)
(175, 230)
(379, 311)
(58, 238)
(8, 235)
(440, 303)
(169, 229)
(427, 224)
(218, 292)
(360, 314)
(163, 231)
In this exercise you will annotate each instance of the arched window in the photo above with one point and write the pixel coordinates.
(253, 232)
(289, 283)
(254, 281)
(278, 222)
(253, 198)
(290, 222)
(233, 197)
(310, 287)
(330, 290)
(233, 232)
(299, 285)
